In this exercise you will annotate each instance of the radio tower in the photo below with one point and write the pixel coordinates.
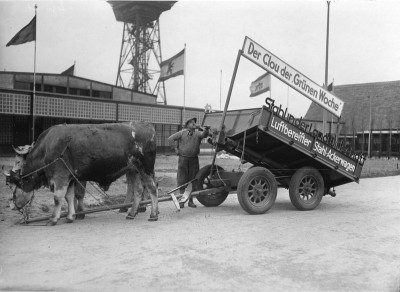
(140, 55)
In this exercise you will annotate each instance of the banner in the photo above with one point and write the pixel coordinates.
(260, 85)
(26, 34)
(173, 66)
(287, 74)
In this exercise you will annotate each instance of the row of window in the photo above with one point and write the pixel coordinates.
(62, 90)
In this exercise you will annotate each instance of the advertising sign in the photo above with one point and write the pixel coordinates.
(287, 74)
(289, 132)
(330, 155)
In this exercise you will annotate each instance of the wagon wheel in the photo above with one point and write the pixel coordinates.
(203, 182)
(306, 188)
(257, 190)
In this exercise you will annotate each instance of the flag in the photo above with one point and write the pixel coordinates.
(69, 71)
(27, 34)
(173, 66)
(260, 85)
(330, 87)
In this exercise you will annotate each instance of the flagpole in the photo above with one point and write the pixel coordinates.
(34, 82)
(220, 89)
(184, 86)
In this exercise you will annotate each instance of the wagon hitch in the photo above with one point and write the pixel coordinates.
(331, 192)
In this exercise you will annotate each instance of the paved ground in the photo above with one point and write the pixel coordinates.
(350, 243)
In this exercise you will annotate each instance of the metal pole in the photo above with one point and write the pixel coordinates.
(102, 209)
(228, 98)
(324, 111)
(34, 82)
(370, 125)
(184, 83)
(220, 89)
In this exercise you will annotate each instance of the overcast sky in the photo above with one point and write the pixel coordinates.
(364, 44)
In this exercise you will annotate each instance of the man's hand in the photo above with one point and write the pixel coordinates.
(177, 151)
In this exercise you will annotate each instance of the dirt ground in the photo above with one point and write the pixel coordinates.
(349, 243)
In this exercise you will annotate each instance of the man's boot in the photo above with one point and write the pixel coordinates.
(191, 204)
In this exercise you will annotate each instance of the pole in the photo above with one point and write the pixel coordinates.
(370, 125)
(103, 208)
(184, 85)
(34, 82)
(228, 98)
(324, 111)
(220, 89)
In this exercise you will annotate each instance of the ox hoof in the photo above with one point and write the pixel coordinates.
(69, 220)
(129, 217)
(142, 209)
(51, 223)
(123, 210)
(80, 217)
(153, 218)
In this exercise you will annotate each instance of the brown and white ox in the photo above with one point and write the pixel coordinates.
(66, 154)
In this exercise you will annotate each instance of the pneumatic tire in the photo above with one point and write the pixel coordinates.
(257, 190)
(306, 188)
(203, 182)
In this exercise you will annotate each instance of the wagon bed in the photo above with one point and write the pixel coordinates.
(265, 139)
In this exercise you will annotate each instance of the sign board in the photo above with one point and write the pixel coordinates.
(289, 133)
(287, 74)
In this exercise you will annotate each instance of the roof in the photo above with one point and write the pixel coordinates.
(385, 106)
(145, 11)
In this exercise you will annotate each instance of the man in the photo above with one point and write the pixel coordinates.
(187, 145)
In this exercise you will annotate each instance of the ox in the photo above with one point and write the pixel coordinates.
(64, 157)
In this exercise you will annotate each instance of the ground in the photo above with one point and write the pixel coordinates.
(349, 243)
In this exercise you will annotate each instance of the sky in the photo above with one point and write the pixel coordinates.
(364, 44)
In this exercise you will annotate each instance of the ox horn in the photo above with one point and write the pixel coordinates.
(22, 150)
(6, 173)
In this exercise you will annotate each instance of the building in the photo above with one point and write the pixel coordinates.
(369, 109)
(70, 99)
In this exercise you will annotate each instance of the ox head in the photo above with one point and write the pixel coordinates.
(15, 182)
(20, 156)
(14, 179)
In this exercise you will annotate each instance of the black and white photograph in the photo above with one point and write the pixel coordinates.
(200, 145)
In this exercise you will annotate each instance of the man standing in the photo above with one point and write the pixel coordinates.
(187, 145)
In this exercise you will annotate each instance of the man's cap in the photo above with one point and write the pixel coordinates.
(189, 120)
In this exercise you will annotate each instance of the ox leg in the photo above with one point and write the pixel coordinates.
(59, 194)
(79, 195)
(129, 194)
(151, 186)
(70, 197)
(136, 182)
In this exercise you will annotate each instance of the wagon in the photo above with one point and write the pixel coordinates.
(282, 155)
(284, 151)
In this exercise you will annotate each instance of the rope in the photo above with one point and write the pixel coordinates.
(73, 175)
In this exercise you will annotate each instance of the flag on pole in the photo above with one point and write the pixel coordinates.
(260, 85)
(330, 87)
(69, 71)
(173, 66)
(27, 34)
